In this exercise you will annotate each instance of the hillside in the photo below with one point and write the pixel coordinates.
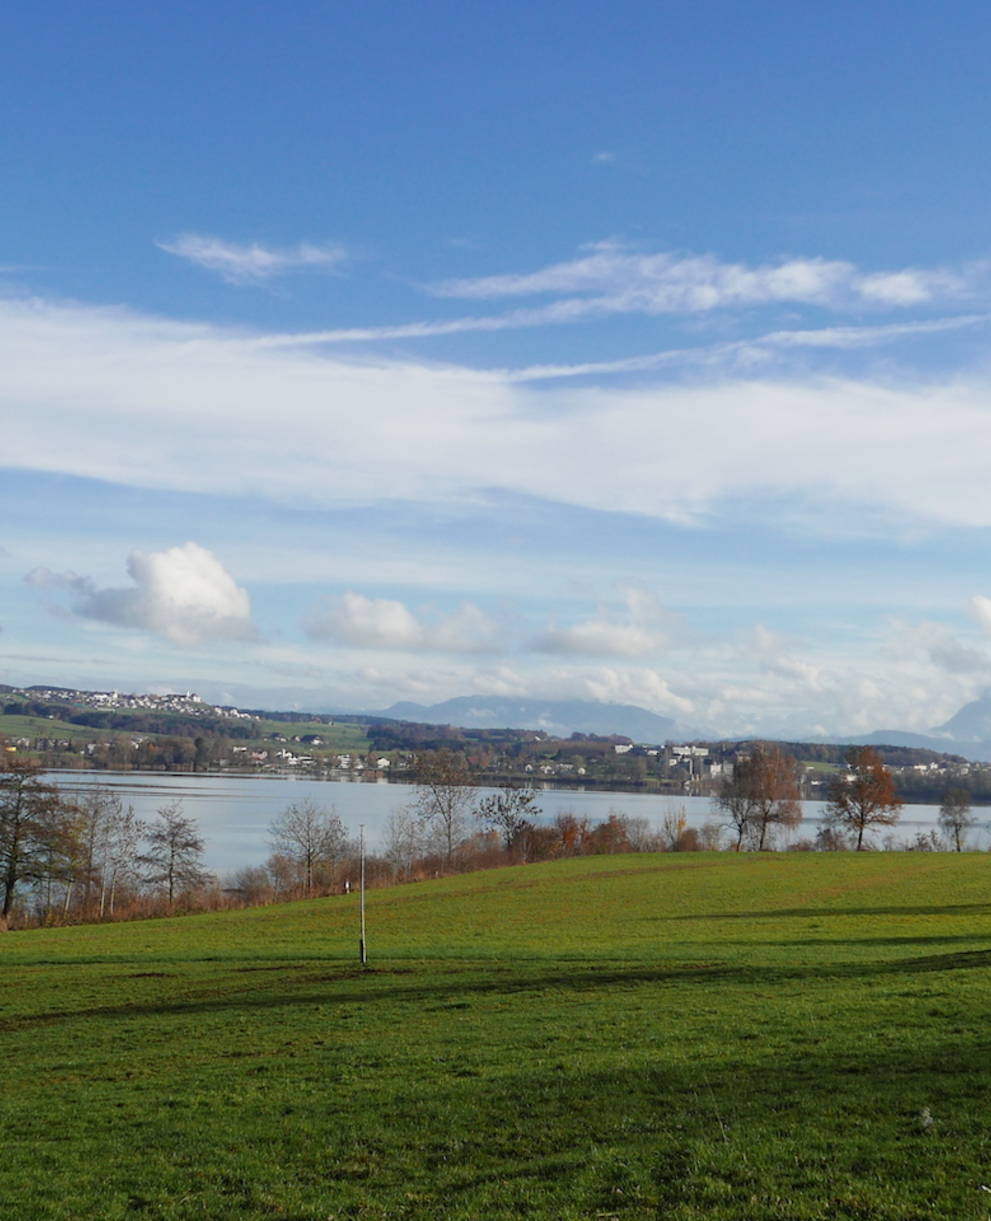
(687, 1036)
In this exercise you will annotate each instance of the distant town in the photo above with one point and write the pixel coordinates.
(69, 728)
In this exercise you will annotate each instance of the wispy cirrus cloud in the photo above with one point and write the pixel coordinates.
(760, 348)
(253, 263)
(144, 401)
(610, 281)
(609, 278)
(839, 337)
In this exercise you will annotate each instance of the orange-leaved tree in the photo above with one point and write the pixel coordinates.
(864, 796)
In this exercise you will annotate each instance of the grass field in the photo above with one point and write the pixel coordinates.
(339, 736)
(684, 1036)
(46, 727)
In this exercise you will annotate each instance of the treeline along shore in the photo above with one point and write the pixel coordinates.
(67, 729)
(73, 856)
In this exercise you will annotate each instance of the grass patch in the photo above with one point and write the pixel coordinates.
(340, 736)
(48, 727)
(683, 1036)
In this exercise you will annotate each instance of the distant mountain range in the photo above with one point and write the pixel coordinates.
(972, 722)
(968, 733)
(557, 717)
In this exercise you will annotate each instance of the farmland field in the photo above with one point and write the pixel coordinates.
(788, 1036)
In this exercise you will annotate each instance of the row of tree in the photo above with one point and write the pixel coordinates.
(763, 794)
(80, 855)
(86, 857)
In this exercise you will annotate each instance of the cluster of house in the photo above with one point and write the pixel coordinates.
(188, 703)
(696, 762)
(284, 757)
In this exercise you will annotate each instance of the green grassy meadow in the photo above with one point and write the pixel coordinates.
(48, 727)
(341, 735)
(788, 1036)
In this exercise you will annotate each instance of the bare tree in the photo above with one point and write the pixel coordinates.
(510, 811)
(123, 833)
(762, 793)
(95, 811)
(710, 836)
(37, 832)
(312, 837)
(864, 797)
(774, 782)
(675, 834)
(642, 836)
(174, 852)
(737, 801)
(444, 797)
(403, 842)
(955, 816)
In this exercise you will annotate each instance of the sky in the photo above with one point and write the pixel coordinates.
(361, 353)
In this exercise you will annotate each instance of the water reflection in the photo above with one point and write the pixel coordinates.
(234, 812)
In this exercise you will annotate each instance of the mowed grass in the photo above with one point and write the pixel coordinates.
(680, 1036)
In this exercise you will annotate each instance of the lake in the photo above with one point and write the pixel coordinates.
(234, 811)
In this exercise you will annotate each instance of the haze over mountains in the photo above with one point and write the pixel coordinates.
(968, 732)
(557, 717)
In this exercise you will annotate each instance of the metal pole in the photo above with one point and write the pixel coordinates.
(362, 947)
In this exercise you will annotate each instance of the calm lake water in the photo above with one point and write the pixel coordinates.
(234, 812)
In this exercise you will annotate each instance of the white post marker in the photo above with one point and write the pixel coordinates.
(361, 902)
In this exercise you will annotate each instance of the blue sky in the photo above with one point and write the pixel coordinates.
(361, 353)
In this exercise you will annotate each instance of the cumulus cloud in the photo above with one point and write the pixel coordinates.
(775, 657)
(183, 593)
(253, 263)
(383, 623)
(636, 632)
(980, 607)
(927, 640)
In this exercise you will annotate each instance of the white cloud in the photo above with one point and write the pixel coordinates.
(467, 630)
(608, 278)
(636, 633)
(981, 609)
(353, 619)
(144, 402)
(760, 349)
(184, 594)
(253, 263)
(775, 657)
(384, 623)
(598, 638)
